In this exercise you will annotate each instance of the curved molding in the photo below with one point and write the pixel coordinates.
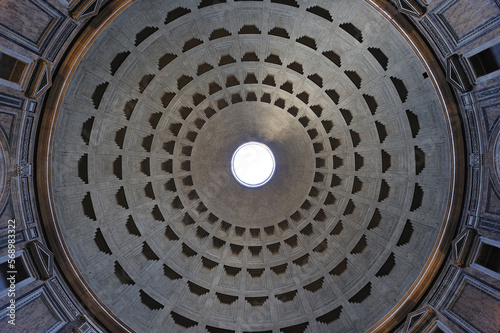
(492, 156)
(43, 174)
(457, 168)
(4, 166)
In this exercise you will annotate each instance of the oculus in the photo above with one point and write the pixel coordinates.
(253, 164)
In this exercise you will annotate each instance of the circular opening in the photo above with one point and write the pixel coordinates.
(253, 164)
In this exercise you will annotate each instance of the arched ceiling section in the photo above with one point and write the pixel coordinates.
(149, 216)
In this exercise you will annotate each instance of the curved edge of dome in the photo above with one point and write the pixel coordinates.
(456, 190)
(43, 172)
(54, 103)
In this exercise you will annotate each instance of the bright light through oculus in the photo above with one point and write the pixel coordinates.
(253, 164)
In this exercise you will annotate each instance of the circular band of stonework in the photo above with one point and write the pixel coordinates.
(211, 167)
(253, 164)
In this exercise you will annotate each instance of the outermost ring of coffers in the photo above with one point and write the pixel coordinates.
(46, 139)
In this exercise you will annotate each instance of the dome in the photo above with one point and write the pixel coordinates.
(154, 223)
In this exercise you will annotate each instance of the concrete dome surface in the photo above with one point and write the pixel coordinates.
(140, 166)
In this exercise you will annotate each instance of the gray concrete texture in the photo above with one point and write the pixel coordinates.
(163, 233)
